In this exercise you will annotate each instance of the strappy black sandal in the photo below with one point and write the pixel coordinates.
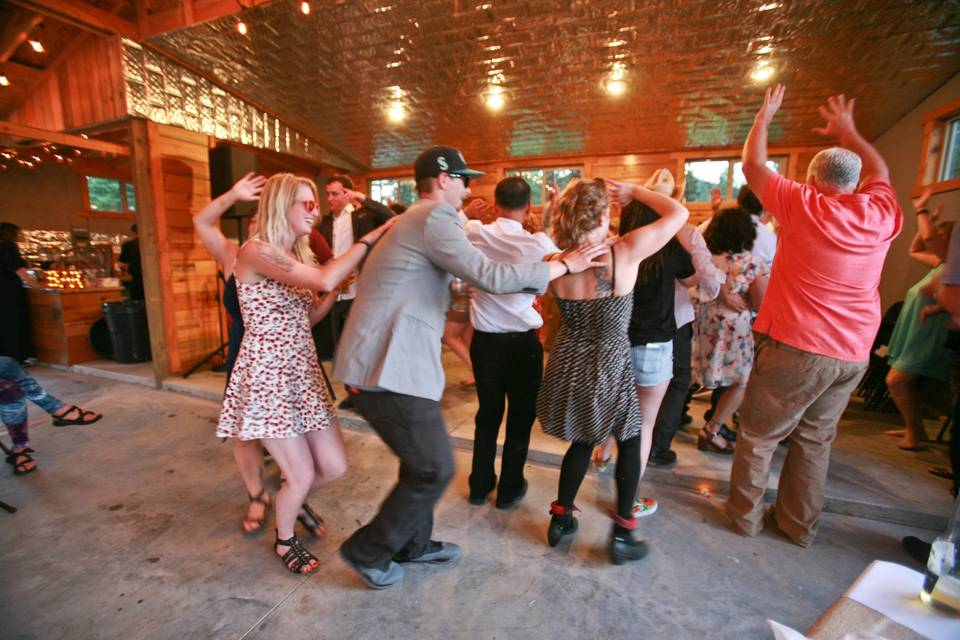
(312, 522)
(297, 557)
(257, 523)
(19, 461)
(83, 417)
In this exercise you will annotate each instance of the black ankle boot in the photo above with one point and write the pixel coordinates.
(623, 548)
(562, 523)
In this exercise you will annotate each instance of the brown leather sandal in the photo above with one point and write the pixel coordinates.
(252, 525)
(709, 441)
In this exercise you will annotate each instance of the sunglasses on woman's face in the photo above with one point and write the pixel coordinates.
(309, 205)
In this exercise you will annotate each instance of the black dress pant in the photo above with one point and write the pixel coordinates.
(506, 366)
(671, 409)
(414, 429)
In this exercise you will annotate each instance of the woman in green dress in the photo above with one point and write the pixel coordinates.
(916, 347)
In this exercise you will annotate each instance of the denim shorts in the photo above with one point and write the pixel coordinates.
(652, 363)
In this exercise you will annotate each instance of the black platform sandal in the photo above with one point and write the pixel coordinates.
(83, 417)
(311, 521)
(256, 523)
(297, 557)
(19, 461)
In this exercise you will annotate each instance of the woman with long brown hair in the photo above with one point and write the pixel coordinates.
(276, 392)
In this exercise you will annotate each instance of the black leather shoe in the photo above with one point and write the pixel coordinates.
(509, 504)
(728, 434)
(623, 548)
(560, 527)
(662, 458)
(477, 499)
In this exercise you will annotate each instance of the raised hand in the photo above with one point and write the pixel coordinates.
(921, 200)
(662, 182)
(621, 192)
(248, 188)
(771, 103)
(838, 114)
(359, 196)
(715, 200)
(585, 256)
(476, 208)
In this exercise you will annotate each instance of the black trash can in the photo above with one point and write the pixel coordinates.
(127, 322)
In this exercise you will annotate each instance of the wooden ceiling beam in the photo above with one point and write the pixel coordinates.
(82, 15)
(16, 134)
(187, 14)
(17, 29)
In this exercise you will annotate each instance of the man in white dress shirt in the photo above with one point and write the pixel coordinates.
(506, 351)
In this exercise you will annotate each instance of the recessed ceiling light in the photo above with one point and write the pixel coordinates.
(37, 46)
(396, 112)
(305, 8)
(495, 97)
(4, 81)
(242, 27)
(616, 87)
(762, 72)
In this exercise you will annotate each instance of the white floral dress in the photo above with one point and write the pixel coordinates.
(723, 338)
(276, 389)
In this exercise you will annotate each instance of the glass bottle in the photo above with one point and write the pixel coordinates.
(941, 584)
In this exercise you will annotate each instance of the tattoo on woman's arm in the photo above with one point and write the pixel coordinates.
(274, 257)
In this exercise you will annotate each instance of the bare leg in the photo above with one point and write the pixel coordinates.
(295, 459)
(727, 406)
(329, 454)
(902, 386)
(457, 335)
(650, 399)
(247, 454)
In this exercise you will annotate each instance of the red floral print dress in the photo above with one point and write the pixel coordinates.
(276, 389)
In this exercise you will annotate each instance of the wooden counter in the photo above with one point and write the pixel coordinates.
(60, 321)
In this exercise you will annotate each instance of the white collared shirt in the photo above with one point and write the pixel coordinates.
(505, 240)
(342, 236)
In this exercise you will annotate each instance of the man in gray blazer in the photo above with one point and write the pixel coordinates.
(390, 352)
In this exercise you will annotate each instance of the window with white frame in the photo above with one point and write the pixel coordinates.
(386, 190)
(540, 179)
(725, 174)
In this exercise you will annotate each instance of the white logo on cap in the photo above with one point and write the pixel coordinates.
(443, 163)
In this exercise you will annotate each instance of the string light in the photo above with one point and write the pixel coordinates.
(305, 8)
(37, 46)
(4, 81)
(242, 27)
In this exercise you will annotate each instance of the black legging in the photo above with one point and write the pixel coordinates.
(574, 468)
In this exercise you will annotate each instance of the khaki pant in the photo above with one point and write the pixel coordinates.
(795, 394)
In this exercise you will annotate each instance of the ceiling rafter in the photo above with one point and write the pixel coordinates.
(83, 15)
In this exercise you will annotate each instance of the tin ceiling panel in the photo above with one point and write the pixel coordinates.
(686, 66)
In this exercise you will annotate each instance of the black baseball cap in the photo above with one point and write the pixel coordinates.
(437, 160)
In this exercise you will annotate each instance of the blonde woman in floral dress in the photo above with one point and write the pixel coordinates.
(276, 392)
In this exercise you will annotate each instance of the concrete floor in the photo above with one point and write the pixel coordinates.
(130, 529)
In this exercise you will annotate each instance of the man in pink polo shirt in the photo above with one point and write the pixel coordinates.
(820, 315)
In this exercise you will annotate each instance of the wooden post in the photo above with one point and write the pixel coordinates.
(147, 181)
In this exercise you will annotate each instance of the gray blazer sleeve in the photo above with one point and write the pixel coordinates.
(447, 247)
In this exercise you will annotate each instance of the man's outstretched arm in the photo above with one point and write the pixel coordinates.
(838, 114)
(754, 157)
